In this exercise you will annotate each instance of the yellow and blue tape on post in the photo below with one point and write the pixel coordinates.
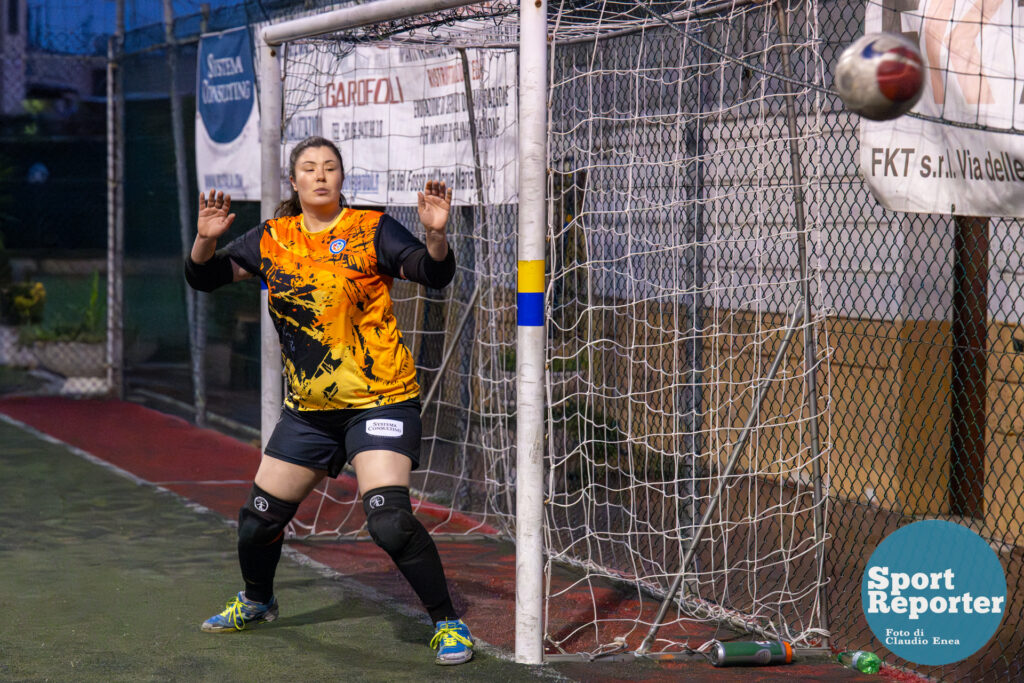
(530, 296)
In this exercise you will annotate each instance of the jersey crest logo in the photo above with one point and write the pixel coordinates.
(337, 246)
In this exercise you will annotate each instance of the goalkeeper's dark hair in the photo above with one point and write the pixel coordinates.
(291, 206)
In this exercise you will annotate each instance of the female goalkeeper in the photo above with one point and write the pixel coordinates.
(352, 393)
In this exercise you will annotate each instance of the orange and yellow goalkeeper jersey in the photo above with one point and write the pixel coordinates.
(329, 298)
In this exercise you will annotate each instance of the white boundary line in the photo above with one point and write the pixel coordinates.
(191, 504)
(369, 593)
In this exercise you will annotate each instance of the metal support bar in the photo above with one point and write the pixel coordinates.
(194, 300)
(530, 337)
(741, 442)
(692, 655)
(810, 352)
(480, 198)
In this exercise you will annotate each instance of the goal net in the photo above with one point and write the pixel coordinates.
(673, 274)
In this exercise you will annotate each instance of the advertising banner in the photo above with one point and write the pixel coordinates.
(974, 56)
(400, 117)
(227, 116)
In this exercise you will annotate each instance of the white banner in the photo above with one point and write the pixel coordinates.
(399, 117)
(227, 116)
(974, 54)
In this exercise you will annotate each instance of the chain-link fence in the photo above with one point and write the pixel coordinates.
(53, 196)
(926, 382)
(675, 263)
(214, 376)
(81, 197)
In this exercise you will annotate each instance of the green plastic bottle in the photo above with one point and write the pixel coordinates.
(864, 662)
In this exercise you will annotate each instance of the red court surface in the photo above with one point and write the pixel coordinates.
(215, 471)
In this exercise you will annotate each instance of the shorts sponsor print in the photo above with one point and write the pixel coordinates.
(328, 439)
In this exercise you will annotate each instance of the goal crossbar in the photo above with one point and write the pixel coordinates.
(354, 17)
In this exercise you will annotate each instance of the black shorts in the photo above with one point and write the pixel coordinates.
(328, 439)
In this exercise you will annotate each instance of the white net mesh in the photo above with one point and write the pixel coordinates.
(674, 266)
(673, 271)
(400, 116)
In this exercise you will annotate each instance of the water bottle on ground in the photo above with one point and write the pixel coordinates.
(864, 662)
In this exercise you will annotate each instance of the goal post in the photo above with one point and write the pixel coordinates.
(533, 102)
(271, 381)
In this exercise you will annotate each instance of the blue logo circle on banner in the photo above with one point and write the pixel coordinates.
(226, 88)
(933, 592)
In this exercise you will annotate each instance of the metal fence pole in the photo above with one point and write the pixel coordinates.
(115, 208)
(194, 300)
(968, 386)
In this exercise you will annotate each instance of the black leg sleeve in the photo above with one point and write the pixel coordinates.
(259, 565)
(394, 528)
(261, 525)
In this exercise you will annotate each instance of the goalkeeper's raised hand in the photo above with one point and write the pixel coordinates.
(435, 205)
(215, 218)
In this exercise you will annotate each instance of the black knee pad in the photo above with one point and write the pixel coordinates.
(391, 523)
(263, 518)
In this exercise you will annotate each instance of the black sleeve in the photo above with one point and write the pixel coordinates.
(393, 244)
(217, 272)
(208, 276)
(399, 251)
(245, 250)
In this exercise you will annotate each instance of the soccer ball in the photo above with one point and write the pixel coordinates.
(880, 76)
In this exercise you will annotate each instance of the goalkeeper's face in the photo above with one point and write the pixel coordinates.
(317, 179)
